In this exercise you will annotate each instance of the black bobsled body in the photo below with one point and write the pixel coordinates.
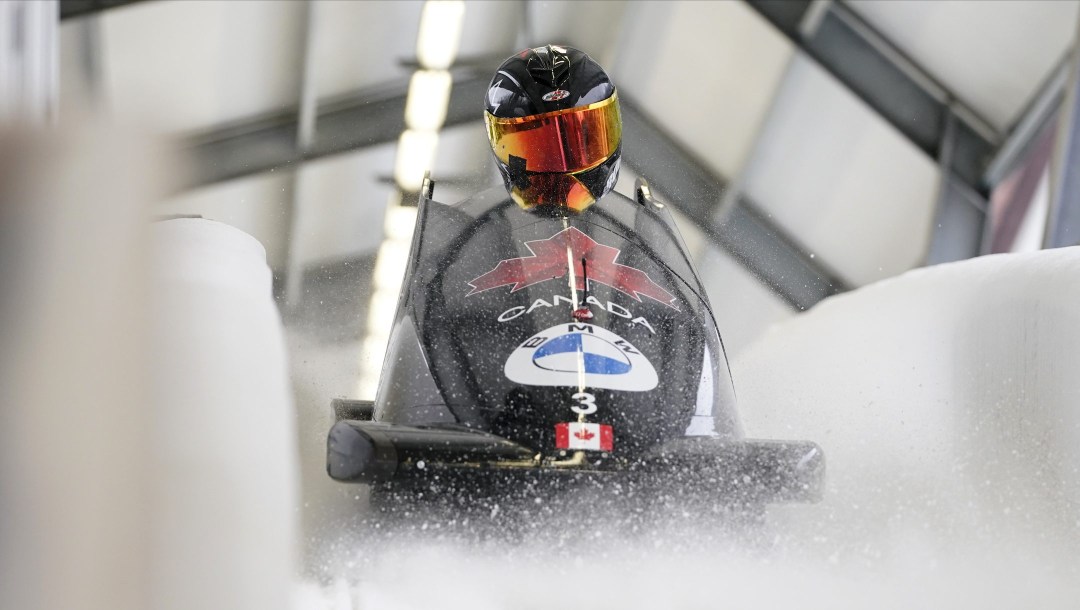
(531, 345)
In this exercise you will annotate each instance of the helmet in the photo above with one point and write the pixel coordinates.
(553, 120)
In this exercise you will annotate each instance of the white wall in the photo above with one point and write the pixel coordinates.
(705, 71)
(342, 200)
(181, 66)
(851, 189)
(992, 55)
(360, 44)
(945, 401)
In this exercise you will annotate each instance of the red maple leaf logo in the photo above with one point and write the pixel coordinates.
(584, 434)
(551, 260)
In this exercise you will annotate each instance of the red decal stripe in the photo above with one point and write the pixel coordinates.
(607, 438)
(562, 436)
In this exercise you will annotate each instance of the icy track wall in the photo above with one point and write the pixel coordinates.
(224, 487)
(947, 401)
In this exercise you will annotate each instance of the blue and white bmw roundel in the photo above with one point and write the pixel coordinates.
(578, 354)
(574, 351)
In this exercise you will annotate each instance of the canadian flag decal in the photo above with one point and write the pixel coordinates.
(586, 437)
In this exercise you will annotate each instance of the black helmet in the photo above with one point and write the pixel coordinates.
(554, 126)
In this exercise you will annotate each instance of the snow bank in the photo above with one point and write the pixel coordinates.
(947, 401)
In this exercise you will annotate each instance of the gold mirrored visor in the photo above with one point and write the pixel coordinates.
(567, 141)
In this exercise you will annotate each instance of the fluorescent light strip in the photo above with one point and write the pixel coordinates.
(425, 114)
(429, 97)
(415, 154)
(440, 33)
(386, 287)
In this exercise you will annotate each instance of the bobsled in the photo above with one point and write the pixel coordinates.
(537, 352)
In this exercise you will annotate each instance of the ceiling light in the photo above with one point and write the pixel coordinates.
(390, 265)
(399, 222)
(415, 154)
(440, 32)
(429, 95)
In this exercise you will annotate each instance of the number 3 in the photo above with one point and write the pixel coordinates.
(587, 406)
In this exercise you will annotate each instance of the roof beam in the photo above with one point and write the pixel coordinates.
(905, 95)
(1063, 223)
(70, 9)
(891, 83)
(354, 121)
(363, 119)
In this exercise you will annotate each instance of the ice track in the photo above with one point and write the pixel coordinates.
(947, 401)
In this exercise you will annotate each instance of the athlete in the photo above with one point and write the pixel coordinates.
(554, 333)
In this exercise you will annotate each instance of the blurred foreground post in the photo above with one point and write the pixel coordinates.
(75, 418)
(147, 444)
